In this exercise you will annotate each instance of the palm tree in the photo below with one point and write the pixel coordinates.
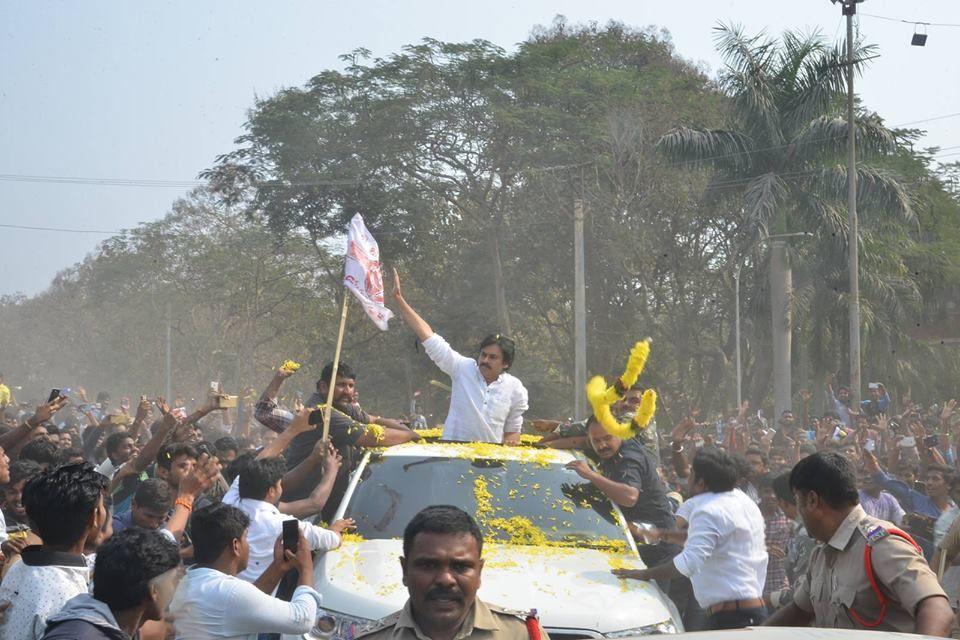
(782, 157)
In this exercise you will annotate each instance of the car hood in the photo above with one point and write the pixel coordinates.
(570, 588)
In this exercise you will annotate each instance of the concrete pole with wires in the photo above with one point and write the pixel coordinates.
(853, 236)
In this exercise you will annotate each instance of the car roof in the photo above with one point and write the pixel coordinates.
(480, 450)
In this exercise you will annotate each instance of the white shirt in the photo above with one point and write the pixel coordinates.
(266, 525)
(37, 587)
(942, 525)
(3, 528)
(479, 412)
(210, 604)
(725, 555)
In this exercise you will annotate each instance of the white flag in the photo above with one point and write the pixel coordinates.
(361, 273)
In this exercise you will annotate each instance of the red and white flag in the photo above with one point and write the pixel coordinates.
(361, 273)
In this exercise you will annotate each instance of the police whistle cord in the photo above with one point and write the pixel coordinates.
(878, 534)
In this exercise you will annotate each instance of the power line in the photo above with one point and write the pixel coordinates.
(61, 229)
(922, 22)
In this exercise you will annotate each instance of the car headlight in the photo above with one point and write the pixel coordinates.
(333, 625)
(665, 627)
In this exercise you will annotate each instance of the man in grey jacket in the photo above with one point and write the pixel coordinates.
(135, 575)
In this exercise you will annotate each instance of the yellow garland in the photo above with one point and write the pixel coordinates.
(601, 396)
(290, 366)
(635, 363)
(376, 431)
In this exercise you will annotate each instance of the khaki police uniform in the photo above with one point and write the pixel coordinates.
(484, 622)
(836, 581)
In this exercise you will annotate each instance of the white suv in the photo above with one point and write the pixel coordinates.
(550, 541)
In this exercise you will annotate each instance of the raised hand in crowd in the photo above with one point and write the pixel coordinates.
(14, 439)
(948, 409)
(331, 458)
(191, 487)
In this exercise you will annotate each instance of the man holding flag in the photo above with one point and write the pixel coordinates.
(486, 402)
(347, 425)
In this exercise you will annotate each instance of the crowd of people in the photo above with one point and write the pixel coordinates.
(846, 516)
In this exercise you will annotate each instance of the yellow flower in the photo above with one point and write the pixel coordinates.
(376, 431)
(290, 366)
(601, 396)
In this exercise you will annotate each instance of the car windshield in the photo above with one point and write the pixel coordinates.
(514, 501)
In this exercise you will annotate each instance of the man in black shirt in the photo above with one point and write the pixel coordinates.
(351, 429)
(628, 476)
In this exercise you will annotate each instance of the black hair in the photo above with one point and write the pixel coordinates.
(127, 562)
(23, 470)
(60, 501)
(259, 475)
(41, 451)
(214, 527)
(113, 441)
(170, 452)
(226, 443)
(442, 518)
(343, 371)
(753, 451)
(236, 467)
(155, 494)
(72, 452)
(781, 488)
(507, 346)
(717, 469)
(830, 475)
(946, 472)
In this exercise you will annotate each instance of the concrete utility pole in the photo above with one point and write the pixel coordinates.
(579, 314)
(168, 386)
(849, 9)
(781, 288)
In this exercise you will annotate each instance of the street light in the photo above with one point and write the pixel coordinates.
(736, 313)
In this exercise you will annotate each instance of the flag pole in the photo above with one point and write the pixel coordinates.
(336, 365)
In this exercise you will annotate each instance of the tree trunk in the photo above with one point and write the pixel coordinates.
(503, 312)
(781, 283)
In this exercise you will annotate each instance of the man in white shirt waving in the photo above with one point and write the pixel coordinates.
(487, 403)
(725, 553)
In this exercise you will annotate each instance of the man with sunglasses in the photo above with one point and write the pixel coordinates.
(486, 402)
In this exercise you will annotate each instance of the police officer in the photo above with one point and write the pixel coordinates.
(864, 573)
(441, 570)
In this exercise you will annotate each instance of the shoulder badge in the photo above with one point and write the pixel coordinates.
(873, 532)
(513, 613)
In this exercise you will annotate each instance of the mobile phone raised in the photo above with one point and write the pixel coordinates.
(291, 535)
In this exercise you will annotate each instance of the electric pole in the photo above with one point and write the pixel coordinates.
(168, 386)
(579, 314)
(853, 239)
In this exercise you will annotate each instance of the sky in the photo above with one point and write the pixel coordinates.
(155, 91)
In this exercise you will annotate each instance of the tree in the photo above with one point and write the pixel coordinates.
(781, 155)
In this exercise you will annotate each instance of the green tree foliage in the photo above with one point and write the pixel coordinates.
(466, 161)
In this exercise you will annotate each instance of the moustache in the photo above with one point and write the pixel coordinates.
(444, 594)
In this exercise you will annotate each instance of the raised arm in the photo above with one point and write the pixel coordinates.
(14, 438)
(300, 424)
(317, 499)
(412, 319)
